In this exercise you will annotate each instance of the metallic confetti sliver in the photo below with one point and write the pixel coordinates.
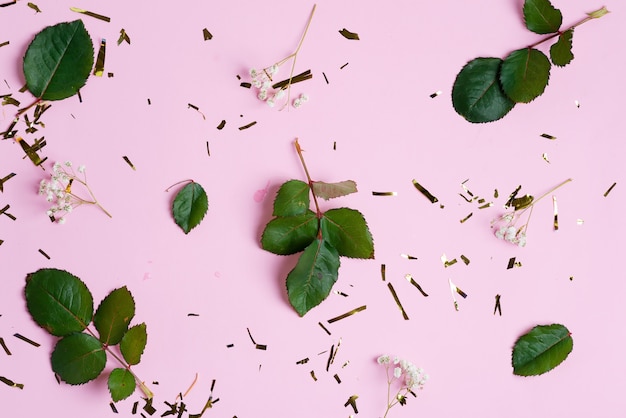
(395, 297)
(425, 192)
(347, 314)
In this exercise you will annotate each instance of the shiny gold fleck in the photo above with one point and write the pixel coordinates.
(395, 297)
(497, 308)
(303, 361)
(34, 7)
(42, 252)
(467, 217)
(343, 66)
(545, 157)
(221, 125)
(336, 376)
(5, 43)
(425, 192)
(411, 280)
(206, 34)
(313, 375)
(125, 158)
(486, 205)
(241, 128)
(465, 260)
(324, 328)
(556, 213)
(352, 402)
(435, 94)
(408, 257)
(123, 37)
(349, 35)
(511, 263)
(347, 314)
(577, 103)
(98, 71)
(88, 13)
(11, 383)
(548, 136)
(4, 347)
(580, 222)
(609, 190)
(383, 269)
(27, 340)
(384, 193)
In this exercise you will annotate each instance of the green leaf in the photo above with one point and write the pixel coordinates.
(311, 280)
(524, 74)
(347, 231)
(289, 235)
(331, 190)
(541, 350)
(189, 207)
(561, 51)
(58, 61)
(121, 384)
(133, 343)
(292, 199)
(477, 94)
(541, 17)
(113, 316)
(78, 358)
(58, 301)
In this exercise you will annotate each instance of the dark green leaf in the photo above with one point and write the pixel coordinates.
(189, 207)
(347, 231)
(524, 74)
(561, 51)
(291, 234)
(58, 301)
(331, 190)
(113, 316)
(310, 282)
(541, 350)
(477, 94)
(58, 61)
(78, 358)
(541, 17)
(121, 384)
(133, 343)
(292, 199)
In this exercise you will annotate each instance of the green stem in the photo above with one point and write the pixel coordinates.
(558, 33)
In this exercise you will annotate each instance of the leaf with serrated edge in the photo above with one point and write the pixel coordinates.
(189, 206)
(133, 343)
(113, 316)
(58, 61)
(541, 17)
(477, 94)
(289, 235)
(58, 301)
(121, 384)
(541, 349)
(561, 51)
(311, 280)
(329, 191)
(347, 231)
(292, 199)
(78, 358)
(525, 74)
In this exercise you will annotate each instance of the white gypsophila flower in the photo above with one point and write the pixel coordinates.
(397, 372)
(279, 94)
(384, 359)
(253, 72)
(396, 360)
(275, 69)
(68, 163)
(61, 220)
(304, 98)
(263, 94)
(270, 102)
(297, 103)
(81, 169)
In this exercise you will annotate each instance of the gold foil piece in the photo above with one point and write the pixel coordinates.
(4, 347)
(486, 205)
(324, 328)
(352, 402)
(27, 340)
(221, 125)
(556, 214)
(425, 192)
(303, 361)
(349, 35)
(467, 217)
(395, 297)
(548, 136)
(511, 263)
(497, 308)
(447, 263)
(609, 190)
(42, 252)
(325, 78)
(11, 383)
(336, 376)
(384, 193)
(99, 68)
(383, 269)
(128, 162)
(123, 37)
(580, 222)
(34, 7)
(452, 292)
(545, 157)
(241, 128)
(343, 66)
(5, 43)
(435, 94)
(465, 260)
(5, 179)
(347, 314)
(408, 257)
(313, 375)
(414, 283)
(88, 13)
(206, 34)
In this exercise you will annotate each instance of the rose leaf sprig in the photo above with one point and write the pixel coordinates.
(541, 349)
(62, 304)
(507, 228)
(486, 89)
(270, 91)
(403, 376)
(60, 190)
(189, 206)
(321, 236)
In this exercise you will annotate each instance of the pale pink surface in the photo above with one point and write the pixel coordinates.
(388, 132)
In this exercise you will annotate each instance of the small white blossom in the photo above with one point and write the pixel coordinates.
(397, 372)
(384, 359)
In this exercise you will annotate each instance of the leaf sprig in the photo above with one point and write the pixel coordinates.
(486, 89)
(63, 305)
(321, 236)
(541, 349)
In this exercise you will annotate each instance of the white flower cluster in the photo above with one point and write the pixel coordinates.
(513, 235)
(300, 100)
(263, 79)
(414, 377)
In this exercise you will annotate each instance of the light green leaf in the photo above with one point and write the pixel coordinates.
(58, 61)
(58, 301)
(525, 74)
(541, 17)
(133, 343)
(311, 280)
(121, 384)
(189, 206)
(292, 199)
(332, 190)
(291, 234)
(477, 94)
(347, 231)
(78, 358)
(113, 316)
(541, 349)
(561, 51)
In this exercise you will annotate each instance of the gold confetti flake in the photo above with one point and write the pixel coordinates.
(197, 109)
(447, 263)
(556, 213)
(486, 205)
(123, 37)
(497, 308)
(425, 192)
(11, 383)
(548, 136)
(98, 71)
(42, 252)
(408, 257)
(303, 361)
(609, 190)
(465, 260)
(343, 66)
(453, 290)
(221, 125)
(395, 297)
(511, 263)
(580, 222)
(4, 347)
(324, 328)
(337, 292)
(34, 7)
(577, 103)
(313, 375)
(414, 283)
(206, 34)
(435, 94)
(5, 179)
(325, 78)
(125, 158)
(352, 402)
(349, 35)
(5, 43)
(384, 193)
(241, 128)
(545, 157)
(467, 217)
(383, 269)
(27, 340)
(88, 13)
(336, 376)
(347, 314)
(495, 193)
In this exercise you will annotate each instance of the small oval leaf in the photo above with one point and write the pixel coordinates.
(292, 199)
(78, 358)
(332, 190)
(541, 349)
(561, 51)
(58, 61)
(113, 316)
(311, 280)
(121, 384)
(133, 343)
(347, 231)
(189, 206)
(541, 17)
(477, 95)
(525, 74)
(289, 235)
(58, 301)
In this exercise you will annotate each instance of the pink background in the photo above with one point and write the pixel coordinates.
(388, 131)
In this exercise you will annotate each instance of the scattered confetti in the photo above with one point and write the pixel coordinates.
(453, 290)
(384, 193)
(5, 43)
(241, 128)
(128, 162)
(408, 257)
(547, 136)
(609, 190)
(193, 314)
(42, 252)
(221, 125)
(343, 66)
(11, 383)
(3, 211)
(347, 314)
(88, 13)
(447, 263)
(313, 375)
(206, 34)
(486, 205)
(11, 3)
(580, 222)
(545, 157)
(27, 340)
(123, 37)
(334, 145)
(349, 35)
(196, 108)
(352, 402)
(511, 263)
(99, 68)
(110, 75)
(113, 408)
(337, 292)
(336, 376)
(34, 7)
(395, 297)
(324, 74)
(425, 192)
(465, 260)
(5, 179)
(498, 308)
(383, 269)
(303, 76)
(414, 283)
(208, 150)
(324, 328)
(467, 217)
(577, 103)
(303, 361)
(4, 346)
(245, 84)
(258, 346)
(435, 94)
(149, 101)
(556, 214)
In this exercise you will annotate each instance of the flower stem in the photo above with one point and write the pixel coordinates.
(308, 176)
(558, 33)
